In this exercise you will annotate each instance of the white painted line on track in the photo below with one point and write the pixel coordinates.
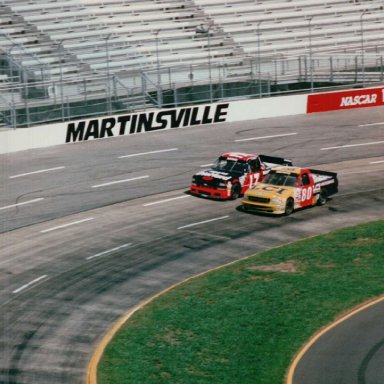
(149, 153)
(203, 222)
(35, 172)
(67, 225)
(369, 124)
(352, 145)
(265, 137)
(25, 286)
(108, 251)
(23, 203)
(206, 165)
(165, 200)
(376, 162)
(120, 181)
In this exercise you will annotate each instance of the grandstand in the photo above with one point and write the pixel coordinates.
(103, 56)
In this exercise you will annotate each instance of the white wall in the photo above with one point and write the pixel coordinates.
(268, 107)
(107, 126)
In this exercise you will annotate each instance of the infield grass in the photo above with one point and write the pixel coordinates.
(244, 322)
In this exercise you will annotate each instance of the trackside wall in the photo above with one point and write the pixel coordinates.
(149, 120)
(182, 117)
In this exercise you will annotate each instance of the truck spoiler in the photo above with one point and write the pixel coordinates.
(275, 160)
(327, 180)
(324, 173)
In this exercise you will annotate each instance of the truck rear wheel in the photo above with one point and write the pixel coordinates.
(289, 206)
(323, 197)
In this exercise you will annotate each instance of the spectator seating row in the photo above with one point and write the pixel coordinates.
(72, 37)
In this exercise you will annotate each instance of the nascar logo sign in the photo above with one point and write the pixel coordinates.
(332, 101)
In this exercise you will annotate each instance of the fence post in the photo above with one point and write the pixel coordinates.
(305, 68)
(170, 78)
(275, 66)
(175, 101)
(114, 94)
(26, 106)
(13, 115)
(85, 89)
(300, 69)
(143, 84)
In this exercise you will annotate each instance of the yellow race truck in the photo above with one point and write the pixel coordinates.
(285, 189)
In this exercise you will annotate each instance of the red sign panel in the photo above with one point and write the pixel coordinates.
(332, 101)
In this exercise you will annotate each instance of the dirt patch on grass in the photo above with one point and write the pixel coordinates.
(289, 266)
(363, 240)
(329, 265)
(174, 336)
(363, 258)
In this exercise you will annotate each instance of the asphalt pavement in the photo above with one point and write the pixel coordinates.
(89, 230)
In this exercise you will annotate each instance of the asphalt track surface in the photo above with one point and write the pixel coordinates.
(89, 230)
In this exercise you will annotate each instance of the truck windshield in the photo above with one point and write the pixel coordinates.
(279, 178)
(230, 165)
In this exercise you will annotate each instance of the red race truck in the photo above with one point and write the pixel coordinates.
(233, 174)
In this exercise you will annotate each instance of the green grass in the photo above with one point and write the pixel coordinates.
(243, 323)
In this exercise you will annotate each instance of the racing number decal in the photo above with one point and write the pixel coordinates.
(253, 179)
(306, 196)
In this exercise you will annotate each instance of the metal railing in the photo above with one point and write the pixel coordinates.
(25, 102)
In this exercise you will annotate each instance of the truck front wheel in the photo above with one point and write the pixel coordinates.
(289, 206)
(235, 191)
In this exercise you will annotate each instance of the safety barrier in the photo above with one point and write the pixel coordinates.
(183, 117)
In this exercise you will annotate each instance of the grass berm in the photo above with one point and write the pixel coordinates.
(243, 323)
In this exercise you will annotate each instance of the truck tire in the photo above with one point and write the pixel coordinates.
(289, 207)
(235, 191)
(323, 197)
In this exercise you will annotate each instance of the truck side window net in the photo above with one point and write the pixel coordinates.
(305, 180)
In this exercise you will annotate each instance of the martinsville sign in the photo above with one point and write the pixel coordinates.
(148, 121)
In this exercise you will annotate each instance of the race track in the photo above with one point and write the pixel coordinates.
(89, 230)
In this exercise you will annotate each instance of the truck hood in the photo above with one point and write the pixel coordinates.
(210, 174)
(269, 191)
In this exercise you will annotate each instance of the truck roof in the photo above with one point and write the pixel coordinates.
(239, 155)
(318, 175)
(288, 169)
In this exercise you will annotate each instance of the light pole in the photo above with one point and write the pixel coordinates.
(207, 31)
(362, 45)
(60, 47)
(259, 55)
(10, 64)
(109, 106)
(10, 60)
(310, 51)
(159, 91)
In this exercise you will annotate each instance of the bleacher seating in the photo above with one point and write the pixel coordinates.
(81, 37)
